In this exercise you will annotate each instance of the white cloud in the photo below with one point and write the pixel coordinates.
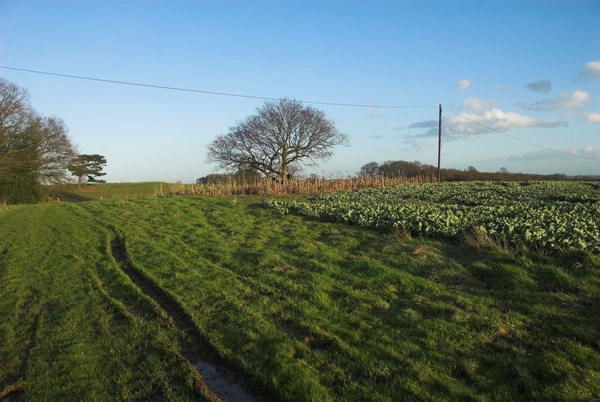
(463, 85)
(591, 70)
(498, 119)
(592, 118)
(588, 151)
(565, 101)
(473, 124)
(476, 104)
(499, 86)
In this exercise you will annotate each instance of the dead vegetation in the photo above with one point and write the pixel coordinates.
(263, 187)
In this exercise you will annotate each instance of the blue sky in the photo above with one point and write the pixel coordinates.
(474, 57)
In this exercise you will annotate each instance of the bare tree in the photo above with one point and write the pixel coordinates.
(283, 134)
(15, 109)
(53, 149)
(15, 115)
(41, 149)
(33, 149)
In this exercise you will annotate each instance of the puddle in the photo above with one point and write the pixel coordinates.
(220, 385)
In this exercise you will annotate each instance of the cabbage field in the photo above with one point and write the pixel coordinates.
(549, 216)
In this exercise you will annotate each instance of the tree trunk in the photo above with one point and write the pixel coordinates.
(284, 174)
(284, 166)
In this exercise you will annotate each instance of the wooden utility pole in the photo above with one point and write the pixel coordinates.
(439, 142)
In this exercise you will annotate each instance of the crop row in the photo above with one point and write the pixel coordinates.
(543, 215)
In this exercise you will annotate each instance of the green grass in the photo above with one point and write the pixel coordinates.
(104, 191)
(73, 327)
(308, 309)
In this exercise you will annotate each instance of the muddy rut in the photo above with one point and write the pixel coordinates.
(219, 375)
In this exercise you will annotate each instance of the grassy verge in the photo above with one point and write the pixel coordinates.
(321, 311)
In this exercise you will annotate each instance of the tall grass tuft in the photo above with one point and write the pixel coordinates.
(263, 187)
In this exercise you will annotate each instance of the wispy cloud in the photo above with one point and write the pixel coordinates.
(476, 104)
(414, 145)
(472, 124)
(499, 86)
(424, 124)
(373, 113)
(591, 70)
(565, 101)
(376, 137)
(463, 85)
(541, 87)
(592, 118)
(589, 151)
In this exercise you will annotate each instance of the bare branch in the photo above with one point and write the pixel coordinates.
(30, 145)
(282, 134)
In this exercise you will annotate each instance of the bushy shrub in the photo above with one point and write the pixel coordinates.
(21, 189)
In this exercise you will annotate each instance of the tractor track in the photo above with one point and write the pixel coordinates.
(221, 377)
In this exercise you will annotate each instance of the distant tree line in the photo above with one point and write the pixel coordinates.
(404, 169)
(34, 150)
(416, 168)
(247, 175)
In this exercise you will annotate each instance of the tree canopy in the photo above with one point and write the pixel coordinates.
(91, 166)
(370, 169)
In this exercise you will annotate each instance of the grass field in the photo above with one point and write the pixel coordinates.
(103, 191)
(73, 326)
(99, 297)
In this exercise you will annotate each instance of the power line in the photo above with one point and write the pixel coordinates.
(521, 139)
(209, 92)
(278, 99)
